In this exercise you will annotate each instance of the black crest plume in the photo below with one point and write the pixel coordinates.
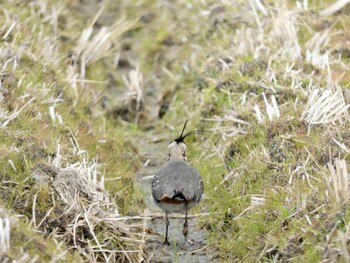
(182, 137)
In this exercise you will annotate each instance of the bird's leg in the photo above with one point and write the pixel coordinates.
(166, 241)
(185, 230)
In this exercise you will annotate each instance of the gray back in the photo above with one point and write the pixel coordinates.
(177, 176)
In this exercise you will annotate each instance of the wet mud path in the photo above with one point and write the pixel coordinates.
(154, 152)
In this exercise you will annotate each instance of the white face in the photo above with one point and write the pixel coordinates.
(177, 151)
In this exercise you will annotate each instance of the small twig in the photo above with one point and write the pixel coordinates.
(335, 7)
(142, 245)
(33, 210)
(93, 233)
(47, 214)
(152, 216)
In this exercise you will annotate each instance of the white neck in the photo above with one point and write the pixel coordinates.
(177, 151)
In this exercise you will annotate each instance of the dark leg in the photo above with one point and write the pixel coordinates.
(166, 241)
(185, 230)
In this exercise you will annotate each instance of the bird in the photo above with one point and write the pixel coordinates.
(177, 186)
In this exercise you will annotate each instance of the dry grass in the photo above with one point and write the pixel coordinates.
(65, 197)
(92, 46)
(338, 182)
(134, 82)
(326, 107)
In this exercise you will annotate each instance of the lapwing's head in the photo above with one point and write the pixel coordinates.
(177, 151)
(177, 148)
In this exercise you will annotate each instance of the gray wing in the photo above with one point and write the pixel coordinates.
(177, 178)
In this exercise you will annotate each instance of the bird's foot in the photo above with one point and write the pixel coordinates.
(166, 242)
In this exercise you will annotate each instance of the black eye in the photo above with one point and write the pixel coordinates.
(184, 154)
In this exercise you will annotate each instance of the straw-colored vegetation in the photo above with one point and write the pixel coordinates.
(83, 81)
